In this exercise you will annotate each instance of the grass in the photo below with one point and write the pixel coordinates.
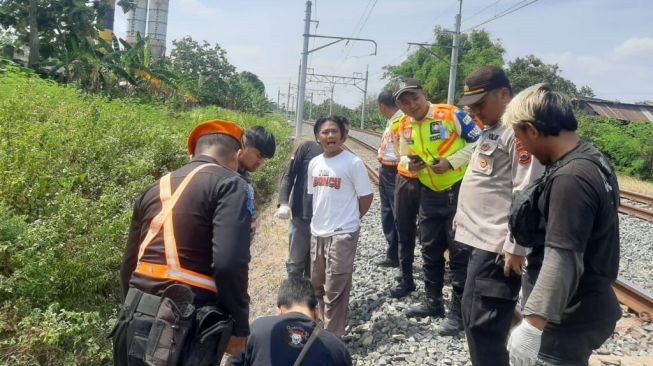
(635, 185)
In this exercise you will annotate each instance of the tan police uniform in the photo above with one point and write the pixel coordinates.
(498, 166)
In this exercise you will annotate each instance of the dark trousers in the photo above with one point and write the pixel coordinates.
(488, 303)
(299, 249)
(407, 193)
(566, 345)
(436, 212)
(458, 259)
(387, 176)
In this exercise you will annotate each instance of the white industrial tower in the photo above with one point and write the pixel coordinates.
(156, 18)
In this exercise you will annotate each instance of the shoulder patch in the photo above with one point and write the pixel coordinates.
(297, 336)
(523, 156)
(250, 199)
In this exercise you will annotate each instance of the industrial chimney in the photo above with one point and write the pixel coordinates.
(136, 19)
(157, 26)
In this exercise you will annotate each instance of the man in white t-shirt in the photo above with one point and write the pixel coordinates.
(342, 194)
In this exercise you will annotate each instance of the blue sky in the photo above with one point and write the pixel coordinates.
(605, 44)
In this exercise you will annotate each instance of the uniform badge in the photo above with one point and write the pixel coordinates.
(523, 156)
(408, 133)
(485, 147)
(482, 162)
(297, 337)
(493, 137)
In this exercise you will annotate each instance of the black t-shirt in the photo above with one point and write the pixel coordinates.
(278, 340)
(295, 178)
(580, 215)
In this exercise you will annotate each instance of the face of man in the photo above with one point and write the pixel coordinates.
(414, 104)
(491, 107)
(330, 138)
(250, 159)
(533, 142)
(386, 111)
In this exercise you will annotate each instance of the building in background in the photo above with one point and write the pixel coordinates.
(622, 111)
(154, 15)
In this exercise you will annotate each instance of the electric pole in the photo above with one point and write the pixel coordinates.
(454, 59)
(288, 101)
(364, 98)
(302, 74)
(301, 83)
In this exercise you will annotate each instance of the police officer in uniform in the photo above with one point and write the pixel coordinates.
(191, 228)
(499, 166)
(387, 156)
(441, 136)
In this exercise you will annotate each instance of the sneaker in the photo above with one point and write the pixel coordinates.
(424, 309)
(451, 326)
(402, 290)
(387, 262)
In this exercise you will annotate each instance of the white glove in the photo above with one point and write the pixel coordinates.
(524, 344)
(283, 212)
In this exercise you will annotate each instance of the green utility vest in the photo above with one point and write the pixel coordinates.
(435, 138)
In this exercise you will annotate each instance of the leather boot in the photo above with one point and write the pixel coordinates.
(406, 286)
(430, 307)
(453, 324)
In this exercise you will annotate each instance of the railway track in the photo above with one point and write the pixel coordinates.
(632, 296)
(635, 210)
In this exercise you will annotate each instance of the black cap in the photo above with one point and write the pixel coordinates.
(405, 85)
(482, 81)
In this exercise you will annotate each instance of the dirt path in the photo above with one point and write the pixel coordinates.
(268, 266)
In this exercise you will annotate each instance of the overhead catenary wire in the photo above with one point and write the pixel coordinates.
(361, 25)
(509, 10)
(482, 10)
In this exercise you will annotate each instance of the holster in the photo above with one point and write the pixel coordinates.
(210, 337)
(171, 327)
(133, 327)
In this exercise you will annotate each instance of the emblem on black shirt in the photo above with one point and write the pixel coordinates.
(297, 336)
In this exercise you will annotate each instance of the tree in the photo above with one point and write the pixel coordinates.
(530, 70)
(202, 69)
(47, 25)
(431, 66)
(254, 80)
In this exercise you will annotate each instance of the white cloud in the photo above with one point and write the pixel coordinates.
(625, 73)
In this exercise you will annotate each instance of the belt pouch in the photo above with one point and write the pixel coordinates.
(211, 337)
(171, 326)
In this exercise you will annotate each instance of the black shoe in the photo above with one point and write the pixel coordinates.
(402, 290)
(388, 263)
(428, 308)
(451, 326)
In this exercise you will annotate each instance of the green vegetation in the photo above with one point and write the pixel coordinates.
(629, 146)
(72, 165)
(64, 44)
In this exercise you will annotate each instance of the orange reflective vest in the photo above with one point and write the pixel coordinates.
(434, 138)
(172, 269)
(401, 129)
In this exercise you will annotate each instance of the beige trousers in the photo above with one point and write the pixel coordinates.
(332, 263)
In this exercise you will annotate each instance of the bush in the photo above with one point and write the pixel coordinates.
(628, 145)
(72, 166)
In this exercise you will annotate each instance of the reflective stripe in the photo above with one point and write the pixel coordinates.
(172, 269)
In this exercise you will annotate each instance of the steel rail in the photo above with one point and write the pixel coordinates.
(635, 298)
(636, 211)
(637, 197)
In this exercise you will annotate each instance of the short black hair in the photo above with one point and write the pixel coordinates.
(226, 144)
(385, 98)
(342, 123)
(296, 291)
(260, 138)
